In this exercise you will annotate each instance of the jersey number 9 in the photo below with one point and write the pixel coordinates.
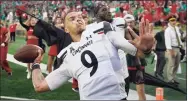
(94, 62)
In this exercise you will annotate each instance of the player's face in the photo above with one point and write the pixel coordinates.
(33, 21)
(104, 13)
(74, 23)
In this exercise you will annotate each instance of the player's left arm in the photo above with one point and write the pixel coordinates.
(120, 42)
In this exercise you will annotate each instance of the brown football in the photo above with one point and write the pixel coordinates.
(27, 53)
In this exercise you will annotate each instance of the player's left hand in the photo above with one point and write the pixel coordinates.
(146, 40)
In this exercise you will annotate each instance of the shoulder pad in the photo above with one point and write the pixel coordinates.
(107, 27)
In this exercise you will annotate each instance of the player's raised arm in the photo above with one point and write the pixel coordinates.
(39, 83)
(54, 80)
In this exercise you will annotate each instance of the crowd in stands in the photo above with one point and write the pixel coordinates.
(157, 11)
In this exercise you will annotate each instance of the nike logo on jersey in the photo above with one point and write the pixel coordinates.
(80, 48)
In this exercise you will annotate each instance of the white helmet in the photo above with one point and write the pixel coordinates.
(129, 17)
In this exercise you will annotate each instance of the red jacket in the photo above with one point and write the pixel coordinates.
(3, 32)
(174, 8)
(149, 17)
(12, 27)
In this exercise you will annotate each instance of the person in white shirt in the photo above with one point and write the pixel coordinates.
(95, 58)
(173, 44)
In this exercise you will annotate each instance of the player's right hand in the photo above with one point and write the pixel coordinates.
(39, 58)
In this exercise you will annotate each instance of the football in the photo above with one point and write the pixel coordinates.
(27, 53)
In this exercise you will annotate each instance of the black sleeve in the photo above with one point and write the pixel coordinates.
(21, 22)
(107, 27)
(51, 34)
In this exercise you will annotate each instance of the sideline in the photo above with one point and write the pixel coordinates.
(14, 98)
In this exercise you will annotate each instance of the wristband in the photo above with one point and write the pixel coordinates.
(35, 66)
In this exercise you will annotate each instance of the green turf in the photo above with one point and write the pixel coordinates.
(169, 93)
(19, 86)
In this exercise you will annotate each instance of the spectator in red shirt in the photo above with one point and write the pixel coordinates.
(148, 15)
(174, 8)
(4, 37)
(12, 29)
(126, 6)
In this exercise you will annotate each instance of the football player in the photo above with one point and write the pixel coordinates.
(93, 68)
